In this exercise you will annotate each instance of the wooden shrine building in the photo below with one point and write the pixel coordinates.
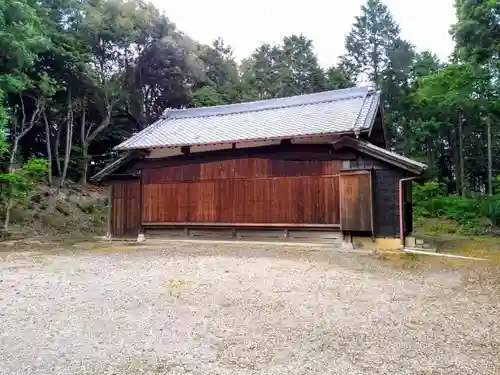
(308, 166)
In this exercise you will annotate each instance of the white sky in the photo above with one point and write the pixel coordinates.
(244, 25)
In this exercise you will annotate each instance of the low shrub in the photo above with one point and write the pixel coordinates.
(475, 214)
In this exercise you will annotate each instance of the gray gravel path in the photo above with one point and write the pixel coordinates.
(239, 309)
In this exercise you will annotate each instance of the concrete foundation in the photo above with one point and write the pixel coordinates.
(381, 243)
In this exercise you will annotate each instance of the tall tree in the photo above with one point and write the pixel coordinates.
(477, 31)
(291, 68)
(369, 42)
(22, 37)
(395, 83)
(477, 37)
(218, 62)
(456, 94)
(300, 72)
(375, 53)
(337, 78)
(222, 76)
(261, 72)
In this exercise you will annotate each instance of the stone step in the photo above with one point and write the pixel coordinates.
(419, 243)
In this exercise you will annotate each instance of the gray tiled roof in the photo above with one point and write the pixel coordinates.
(339, 111)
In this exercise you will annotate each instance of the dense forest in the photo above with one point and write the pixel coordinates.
(79, 76)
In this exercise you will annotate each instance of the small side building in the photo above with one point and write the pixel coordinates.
(304, 167)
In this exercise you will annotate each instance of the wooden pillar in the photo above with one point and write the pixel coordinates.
(140, 234)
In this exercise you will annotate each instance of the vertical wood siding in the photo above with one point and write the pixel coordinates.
(251, 168)
(243, 191)
(356, 205)
(125, 208)
(385, 193)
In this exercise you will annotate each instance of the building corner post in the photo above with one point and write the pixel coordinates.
(347, 242)
(140, 236)
(401, 209)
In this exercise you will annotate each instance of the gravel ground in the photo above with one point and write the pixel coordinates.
(190, 308)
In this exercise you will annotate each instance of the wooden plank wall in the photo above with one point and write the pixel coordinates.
(251, 190)
(356, 209)
(385, 193)
(125, 208)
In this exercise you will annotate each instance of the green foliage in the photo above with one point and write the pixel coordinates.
(428, 190)
(22, 38)
(477, 32)
(291, 68)
(207, 96)
(300, 72)
(337, 78)
(372, 36)
(470, 214)
(18, 184)
(34, 170)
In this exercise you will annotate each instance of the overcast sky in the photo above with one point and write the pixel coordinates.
(246, 24)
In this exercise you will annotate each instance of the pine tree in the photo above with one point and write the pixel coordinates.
(376, 53)
(368, 44)
(299, 67)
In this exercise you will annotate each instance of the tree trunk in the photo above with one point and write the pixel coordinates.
(69, 136)
(49, 148)
(84, 164)
(57, 147)
(103, 125)
(490, 159)
(86, 139)
(453, 142)
(461, 156)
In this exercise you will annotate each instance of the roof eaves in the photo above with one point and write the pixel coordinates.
(368, 111)
(372, 113)
(357, 128)
(381, 154)
(111, 167)
(294, 136)
(124, 145)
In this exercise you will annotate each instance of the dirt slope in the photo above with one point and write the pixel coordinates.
(74, 210)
